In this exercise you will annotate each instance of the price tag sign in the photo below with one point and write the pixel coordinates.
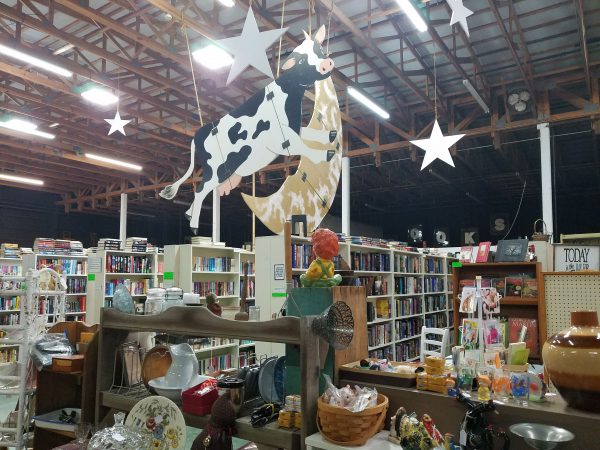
(91, 276)
(168, 276)
(456, 264)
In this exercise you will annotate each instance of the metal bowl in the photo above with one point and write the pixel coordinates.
(540, 436)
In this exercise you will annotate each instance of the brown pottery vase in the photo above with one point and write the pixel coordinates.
(572, 360)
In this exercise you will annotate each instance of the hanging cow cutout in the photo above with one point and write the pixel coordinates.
(266, 126)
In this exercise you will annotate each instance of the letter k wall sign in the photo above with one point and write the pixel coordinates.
(469, 236)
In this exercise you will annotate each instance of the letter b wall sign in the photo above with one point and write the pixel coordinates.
(573, 258)
(469, 236)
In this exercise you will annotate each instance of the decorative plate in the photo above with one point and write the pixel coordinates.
(161, 417)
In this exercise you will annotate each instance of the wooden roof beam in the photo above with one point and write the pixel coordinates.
(580, 13)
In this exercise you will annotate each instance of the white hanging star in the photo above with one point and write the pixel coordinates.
(436, 147)
(117, 124)
(249, 49)
(459, 14)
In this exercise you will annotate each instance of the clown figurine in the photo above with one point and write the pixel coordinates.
(320, 273)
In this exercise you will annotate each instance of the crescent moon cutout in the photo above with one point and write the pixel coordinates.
(312, 188)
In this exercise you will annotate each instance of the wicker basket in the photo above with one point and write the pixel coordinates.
(343, 427)
(543, 235)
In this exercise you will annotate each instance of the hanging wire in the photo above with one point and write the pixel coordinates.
(280, 39)
(187, 43)
(435, 82)
(329, 27)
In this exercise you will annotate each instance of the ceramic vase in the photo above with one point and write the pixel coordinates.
(572, 360)
(184, 366)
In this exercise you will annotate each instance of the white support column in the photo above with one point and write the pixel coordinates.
(216, 216)
(123, 221)
(346, 195)
(546, 169)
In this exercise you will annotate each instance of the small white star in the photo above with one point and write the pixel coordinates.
(117, 124)
(459, 14)
(249, 49)
(436, 147)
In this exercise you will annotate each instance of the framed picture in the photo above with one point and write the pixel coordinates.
(511, 250)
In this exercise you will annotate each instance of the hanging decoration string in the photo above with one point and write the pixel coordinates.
(280, 39)
(329, 27)
(311, 4)
(187, 43)
(435, 82)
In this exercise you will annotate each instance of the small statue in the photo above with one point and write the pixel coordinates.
(321, 271)
(212, 303)
(217, 434)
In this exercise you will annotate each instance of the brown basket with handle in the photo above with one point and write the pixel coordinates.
(543, 235)
(347, 428)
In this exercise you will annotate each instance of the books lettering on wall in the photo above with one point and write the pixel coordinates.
(483, 252)
(515, 324)
(514, 286)
(467, 300)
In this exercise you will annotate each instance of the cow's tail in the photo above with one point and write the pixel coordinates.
(170, 191)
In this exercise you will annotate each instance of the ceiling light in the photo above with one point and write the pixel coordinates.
(228, 3)
(476, 96)
(213, 57)
(53, 125)
(33, 61)
(114, 162)
(23, 126)
(18, 179)
(413, 14)
(100, 96)
(63, 49)
(368, 103)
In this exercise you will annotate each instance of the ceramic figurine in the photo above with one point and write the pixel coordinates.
(321, 271)
(483, 391)
(217, 434)
(212, 303)
(184, 367)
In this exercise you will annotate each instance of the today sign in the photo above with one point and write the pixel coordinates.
(573, 258)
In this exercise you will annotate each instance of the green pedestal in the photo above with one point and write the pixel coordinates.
(306, 302)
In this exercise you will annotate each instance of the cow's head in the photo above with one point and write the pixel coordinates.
(308, 63)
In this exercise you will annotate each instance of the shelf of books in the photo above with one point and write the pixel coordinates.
(73, 268)
(132, 268)
(512, 292)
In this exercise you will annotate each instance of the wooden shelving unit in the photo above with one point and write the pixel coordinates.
(510, 306)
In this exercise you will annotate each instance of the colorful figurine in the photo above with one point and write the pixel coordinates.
(212, 303)
(321, 271)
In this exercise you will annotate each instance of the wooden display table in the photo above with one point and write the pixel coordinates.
(377, 442)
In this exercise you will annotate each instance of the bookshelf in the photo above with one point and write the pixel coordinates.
(73, 268)
(405, 290)
(116, 267)
(160, 267)
(510, 306)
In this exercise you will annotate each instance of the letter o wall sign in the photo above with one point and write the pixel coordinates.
(574, 258)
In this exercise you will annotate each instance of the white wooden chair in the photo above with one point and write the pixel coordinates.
(426, 343)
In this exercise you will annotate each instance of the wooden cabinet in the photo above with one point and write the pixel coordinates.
(510, 306)
(57, 390)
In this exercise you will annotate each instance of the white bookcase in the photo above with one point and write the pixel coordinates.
(405, 290)
(73, 268)
(116, 267)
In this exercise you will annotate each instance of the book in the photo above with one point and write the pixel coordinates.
(499, 284)
(467, 300)
(515, 324)
(464, 282)
(514, 286)
(530, 288)
(382, 306)
(470, 334)
(483, 252)
(466, 254)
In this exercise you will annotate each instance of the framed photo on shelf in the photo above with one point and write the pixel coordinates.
(511, 250)
(483, 252)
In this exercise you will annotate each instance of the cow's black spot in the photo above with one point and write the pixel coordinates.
(234, 133)
(250, 107)
(233, 161)
(260, 127)
(202, 156)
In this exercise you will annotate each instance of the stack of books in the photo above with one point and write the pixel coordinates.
(9, 251)
(76, 248)
(109, 244)
(136, 244)
(372, 242)
(201, 240)
(43, 245)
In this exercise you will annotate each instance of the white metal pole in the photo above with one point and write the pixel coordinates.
(216, 216)
(346, 195)
(123, 221)
(546, 168)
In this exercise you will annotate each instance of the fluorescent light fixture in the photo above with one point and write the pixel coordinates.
(439, 177)
(100, 96)
(23, 126)
(476, 96)
(63, 49)
(53, 125)
(114, 162)
(413, 14)
(213, 57)
(228, 3)
(19, 179)
(33, 61)
(368, 103)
